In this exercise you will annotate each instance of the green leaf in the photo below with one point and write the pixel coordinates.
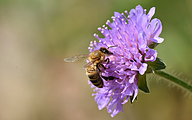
(158, 64)
(142, 84)
(149, 69)
(153, 45)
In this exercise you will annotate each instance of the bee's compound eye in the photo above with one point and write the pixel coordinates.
(104, 51)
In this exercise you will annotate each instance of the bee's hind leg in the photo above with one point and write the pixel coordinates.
(108, 78)
(99, 66)
(102, 66)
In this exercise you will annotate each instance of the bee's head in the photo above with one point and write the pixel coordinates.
(106, 51)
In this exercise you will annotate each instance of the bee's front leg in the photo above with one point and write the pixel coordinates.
(107, 60)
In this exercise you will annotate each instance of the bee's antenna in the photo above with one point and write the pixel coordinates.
(112, 46)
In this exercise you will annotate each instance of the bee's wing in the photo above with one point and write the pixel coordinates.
(76, 58)
(88, 64)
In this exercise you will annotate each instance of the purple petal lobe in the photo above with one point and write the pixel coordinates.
(151, 13)
(143, 68)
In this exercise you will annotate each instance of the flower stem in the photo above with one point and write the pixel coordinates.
(174, 79)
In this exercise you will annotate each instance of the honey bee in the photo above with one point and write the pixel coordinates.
(93, 67)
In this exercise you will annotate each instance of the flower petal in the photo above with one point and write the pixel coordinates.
(151, 13)
(143, 68)
(151, 55)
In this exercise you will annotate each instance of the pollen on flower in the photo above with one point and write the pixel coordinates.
(107, 22)
(128, 38)
(95, 42)
(145, 11)
(95, 35)
(99, 28)
(91, 44)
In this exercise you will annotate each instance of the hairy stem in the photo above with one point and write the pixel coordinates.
(174, 79)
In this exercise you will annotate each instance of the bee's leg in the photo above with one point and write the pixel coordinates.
(108, 78)
(101, 66)
(99, 69)
(107, 60)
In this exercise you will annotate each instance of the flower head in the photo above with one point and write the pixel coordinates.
(133, 36)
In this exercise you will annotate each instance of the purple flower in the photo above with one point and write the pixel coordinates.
(131, 34)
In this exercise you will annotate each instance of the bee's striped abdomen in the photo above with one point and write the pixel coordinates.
(96, 80)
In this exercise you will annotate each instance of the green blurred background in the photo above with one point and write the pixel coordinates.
(36, 84)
